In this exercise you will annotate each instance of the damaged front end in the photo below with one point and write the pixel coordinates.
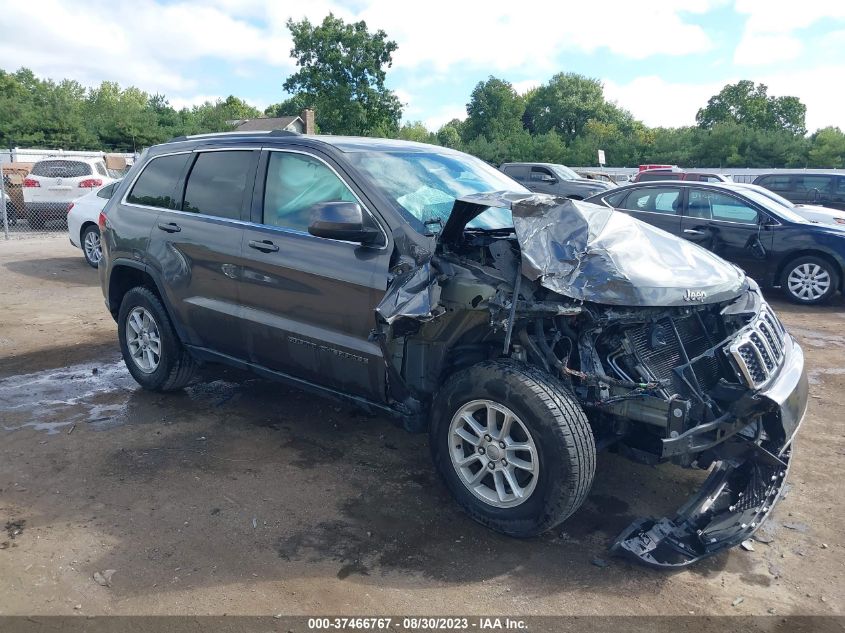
(672, 352)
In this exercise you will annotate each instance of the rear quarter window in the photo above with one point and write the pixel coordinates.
(61, 169)
(156, 186)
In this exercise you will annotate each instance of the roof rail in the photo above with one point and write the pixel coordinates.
(179, 139)
(284, 133)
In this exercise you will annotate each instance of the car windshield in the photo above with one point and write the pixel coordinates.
(564, 173)
(424, 185)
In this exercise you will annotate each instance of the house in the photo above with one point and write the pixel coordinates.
(304, 123)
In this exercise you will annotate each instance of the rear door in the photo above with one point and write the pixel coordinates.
(196, 247)
(308, 301)
(658, 205)
(729, 226)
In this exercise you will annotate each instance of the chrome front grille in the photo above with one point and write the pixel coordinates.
(758, 349)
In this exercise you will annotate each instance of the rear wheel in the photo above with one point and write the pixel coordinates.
(513, 446)
(809, 280)
(153, 353)
(91, 245)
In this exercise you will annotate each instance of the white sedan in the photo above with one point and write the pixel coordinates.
(82, 215)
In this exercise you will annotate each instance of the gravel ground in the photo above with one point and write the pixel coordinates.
(241, 496)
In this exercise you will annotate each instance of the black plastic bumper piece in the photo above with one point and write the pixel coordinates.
(740, 491)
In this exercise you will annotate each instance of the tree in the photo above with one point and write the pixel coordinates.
(494, 110)
(289, 107)
(566, 103)
(828, 148)
(450, 134)
(342, 73)
(750, 105)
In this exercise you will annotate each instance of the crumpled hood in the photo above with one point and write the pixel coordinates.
(593, 253)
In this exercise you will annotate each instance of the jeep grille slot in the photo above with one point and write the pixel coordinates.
(758, 350)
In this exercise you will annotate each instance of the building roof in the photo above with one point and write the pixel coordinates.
(267, 123)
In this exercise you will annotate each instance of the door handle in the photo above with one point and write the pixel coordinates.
(265, 246)
(170, 227)
(693, 232)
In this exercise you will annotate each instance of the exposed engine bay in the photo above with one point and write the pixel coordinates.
(670, 358)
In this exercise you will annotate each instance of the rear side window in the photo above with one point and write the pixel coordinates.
(218, 183)
(295, 183)
(615, 199)
(659, 176)
(655, 200)
(517, 172)
(156, 186)
(61, 169)
(107, 191)
(101, 169)
(775, 183)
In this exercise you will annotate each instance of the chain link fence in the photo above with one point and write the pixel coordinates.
(39, 186)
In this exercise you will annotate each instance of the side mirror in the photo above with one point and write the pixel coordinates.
(548, 178)
(341, 221)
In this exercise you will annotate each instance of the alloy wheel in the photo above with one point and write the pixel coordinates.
(143, 340)
(93, 249)
(493, 453)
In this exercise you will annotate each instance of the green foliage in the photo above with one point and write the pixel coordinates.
(828, 148)
(342, 68)
(40, 112)
(494, 110)
(751, 106)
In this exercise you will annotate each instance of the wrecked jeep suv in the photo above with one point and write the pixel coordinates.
(524, 332)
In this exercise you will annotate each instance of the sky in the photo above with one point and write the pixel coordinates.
(660, 59)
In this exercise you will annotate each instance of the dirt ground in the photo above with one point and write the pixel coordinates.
(241, 496)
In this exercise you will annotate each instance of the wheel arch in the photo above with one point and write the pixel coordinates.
(85, 225)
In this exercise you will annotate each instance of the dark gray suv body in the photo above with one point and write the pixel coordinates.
(522, 331)
(556, 180)
(827, 190)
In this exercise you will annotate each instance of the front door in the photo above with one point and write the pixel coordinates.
(309, 302)
(729, 227)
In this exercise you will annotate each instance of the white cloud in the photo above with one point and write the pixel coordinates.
(770, 36)
(658, 102)
(444, 115)
(524, 86)
(503, 35)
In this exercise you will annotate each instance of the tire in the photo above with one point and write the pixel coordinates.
(175, 368)
(90, 241)
(550, 417)
(11, 216)
(809, 280)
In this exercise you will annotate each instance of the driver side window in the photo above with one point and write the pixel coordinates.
(541, 174)
(295, 183)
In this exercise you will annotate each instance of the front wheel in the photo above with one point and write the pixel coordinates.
(513, 446)
(809, 280)
(152, 351)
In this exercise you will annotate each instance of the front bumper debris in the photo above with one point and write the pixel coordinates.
(742, 488)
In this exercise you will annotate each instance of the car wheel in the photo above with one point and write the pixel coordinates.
(11, 216)
(91, 245)
(151, 350)
(513, 446)
(809, 280)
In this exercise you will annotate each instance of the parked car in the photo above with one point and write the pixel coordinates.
(522, 331)
(773, 244)
(558, 180)
(827, 190)
(675, 173)
(82, 217)
(810, 212)
(55, 182)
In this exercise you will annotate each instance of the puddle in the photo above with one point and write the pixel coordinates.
(51, 400)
